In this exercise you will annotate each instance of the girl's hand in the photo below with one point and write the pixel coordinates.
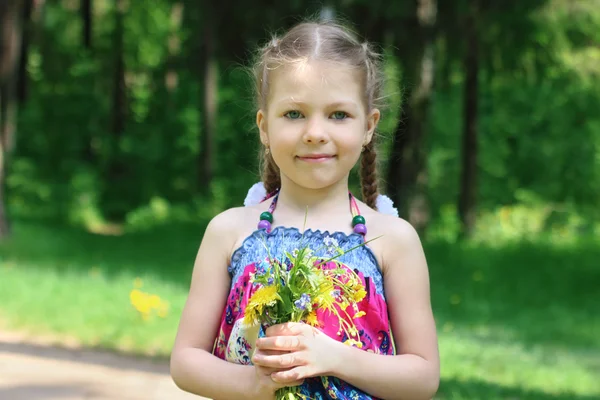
(298, 351)
(265, 386)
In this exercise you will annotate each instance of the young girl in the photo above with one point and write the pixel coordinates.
(317, 92)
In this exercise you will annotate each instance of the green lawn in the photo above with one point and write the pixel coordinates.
(515, 322)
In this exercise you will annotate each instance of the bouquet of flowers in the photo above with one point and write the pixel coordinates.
(301, 284)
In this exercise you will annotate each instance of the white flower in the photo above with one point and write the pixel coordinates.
(255, 195)
(385, 205)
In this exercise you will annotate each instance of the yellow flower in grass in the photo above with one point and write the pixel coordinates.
(146, 303)
(264, 297)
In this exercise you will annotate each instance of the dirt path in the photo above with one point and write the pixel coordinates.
(41, 372)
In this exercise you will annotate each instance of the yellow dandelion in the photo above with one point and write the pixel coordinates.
(312, 319)
(250, 316)
(154, 301)
(263, 297)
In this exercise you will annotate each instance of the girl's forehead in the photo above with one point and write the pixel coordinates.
(309, 80)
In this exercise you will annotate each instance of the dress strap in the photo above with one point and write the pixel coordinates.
(358, 221)
(273, 203)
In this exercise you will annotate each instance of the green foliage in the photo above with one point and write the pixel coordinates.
(539, 125)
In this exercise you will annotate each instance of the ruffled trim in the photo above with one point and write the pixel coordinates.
(258, 193)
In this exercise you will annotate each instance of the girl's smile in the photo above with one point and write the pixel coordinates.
(316, 158)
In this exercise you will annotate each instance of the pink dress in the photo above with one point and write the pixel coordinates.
(235, 342)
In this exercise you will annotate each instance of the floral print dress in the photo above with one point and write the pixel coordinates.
(235, 341)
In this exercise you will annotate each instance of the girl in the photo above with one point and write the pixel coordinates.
(317, 92)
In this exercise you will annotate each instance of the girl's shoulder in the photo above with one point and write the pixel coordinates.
(395, 237)
(386, 222)
(234, 224)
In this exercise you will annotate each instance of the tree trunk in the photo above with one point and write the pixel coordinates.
(27, 33)
(87, 16)
(119, 100)
(87, 19)
(116, 166)
(407, 169)
(10, 46)
(468, 181)
(209, 100)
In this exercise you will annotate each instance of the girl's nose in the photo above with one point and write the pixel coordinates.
(316, 132)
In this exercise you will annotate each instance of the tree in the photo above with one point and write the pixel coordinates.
(10, 45)
(117, 167)
(27, 33)
(208, 71)
(468, 181)
(407, 170)
(87, 18)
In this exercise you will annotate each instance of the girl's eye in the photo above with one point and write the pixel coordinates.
(293, 114)
(339, 115)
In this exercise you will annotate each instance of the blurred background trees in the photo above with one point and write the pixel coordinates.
(121, 114)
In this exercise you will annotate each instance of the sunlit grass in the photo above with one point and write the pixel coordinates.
(515, 321)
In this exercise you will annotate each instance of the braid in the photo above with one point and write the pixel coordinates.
(368, 175)
(270, 174)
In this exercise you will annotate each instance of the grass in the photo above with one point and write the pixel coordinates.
(516, 321)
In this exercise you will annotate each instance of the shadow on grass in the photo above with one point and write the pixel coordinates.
(166, 252)
(451, 389)
(531, 292)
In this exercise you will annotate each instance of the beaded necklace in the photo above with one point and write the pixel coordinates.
(358, 221)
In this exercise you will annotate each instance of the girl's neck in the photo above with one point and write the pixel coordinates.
(319, 201)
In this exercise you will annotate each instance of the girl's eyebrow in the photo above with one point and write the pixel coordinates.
(337, 104)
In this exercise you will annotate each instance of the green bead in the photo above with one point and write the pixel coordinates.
(358, 219)
(266, 216)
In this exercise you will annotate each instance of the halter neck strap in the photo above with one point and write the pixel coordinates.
(358, 222)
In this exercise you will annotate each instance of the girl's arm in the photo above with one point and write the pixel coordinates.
(413, 374)
(193, 366)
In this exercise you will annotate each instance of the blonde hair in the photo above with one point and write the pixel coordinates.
(333, 43)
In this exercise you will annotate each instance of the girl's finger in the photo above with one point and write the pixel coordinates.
(280, 343)
(291, 375)
(287, 329)
(279, 362)
(288, 383)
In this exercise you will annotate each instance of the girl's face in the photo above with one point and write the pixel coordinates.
(316, 123)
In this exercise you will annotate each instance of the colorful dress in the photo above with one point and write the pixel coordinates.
(235, 341)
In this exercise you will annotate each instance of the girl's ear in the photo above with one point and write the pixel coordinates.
(372, 121)
(261, 123)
